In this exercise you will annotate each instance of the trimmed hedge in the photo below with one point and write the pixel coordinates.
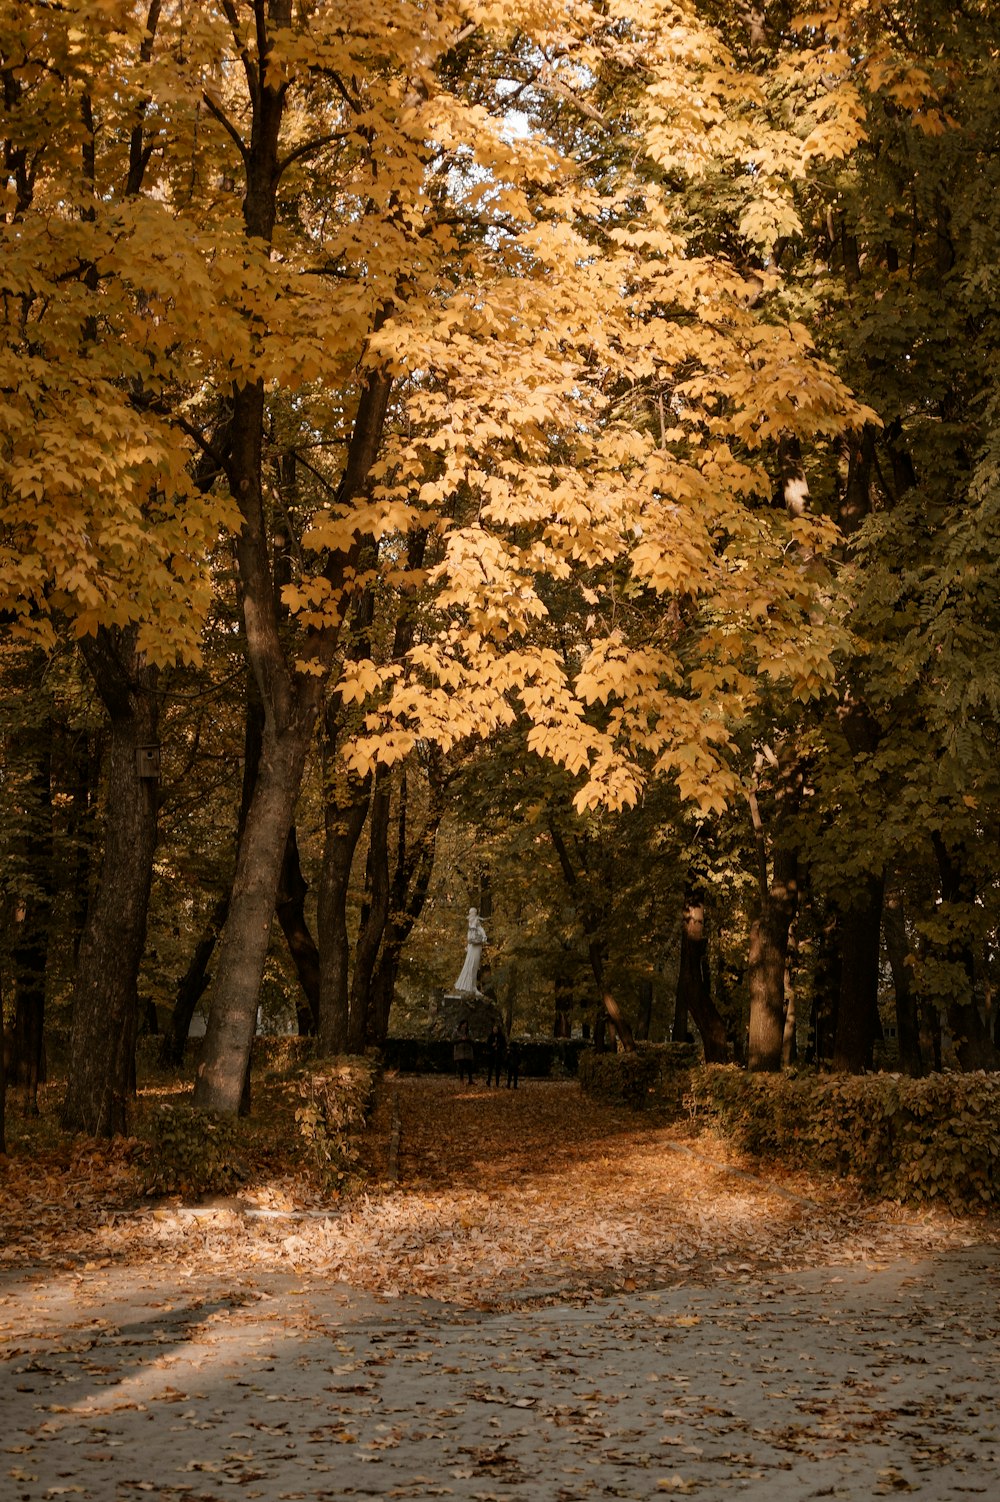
(930, 1140)
(540, 1059)
(655, 1074)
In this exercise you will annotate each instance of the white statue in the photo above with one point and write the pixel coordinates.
(474, 941)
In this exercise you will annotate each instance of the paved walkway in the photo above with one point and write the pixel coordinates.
(836, 1382)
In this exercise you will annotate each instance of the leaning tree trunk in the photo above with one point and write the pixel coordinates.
(105, 1001)
(766, 965)
(242, 951)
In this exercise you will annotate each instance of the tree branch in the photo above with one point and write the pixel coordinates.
(225, 121)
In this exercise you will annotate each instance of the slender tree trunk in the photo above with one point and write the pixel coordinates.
(344, 823)
(973, 1044)
(860, 928)
(4, 1055)
(789, 1040)
(374, 913)
(408, 892)
(29, 951)
(561, 1024)
(291, 910)
(590, 923)
(766, 965)
(225, 1053)
(105, 998)
(907, 1018)
(290, 696)
(191, 988)
(694, 991)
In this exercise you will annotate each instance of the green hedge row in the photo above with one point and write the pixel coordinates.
(935, 1139)
(656, 1074)
(540, 1059)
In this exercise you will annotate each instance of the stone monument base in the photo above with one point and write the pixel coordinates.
(454, 1007)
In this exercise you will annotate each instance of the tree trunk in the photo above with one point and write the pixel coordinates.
(562, 1026)
(694, 989)
(766, 965)
(191, 988)
(973, 1045)
(907, 1018)
(408, 892)
(860, 928)
(290, 696)
(789, 1040)
(29, 950)
(292, 889)
(344, 823)
(374, 913)
(105, 997)
(243, 947)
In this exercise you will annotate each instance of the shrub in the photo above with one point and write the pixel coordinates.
(936, 1139)
(335, 1103)
(190, 1152)
(655, 1074)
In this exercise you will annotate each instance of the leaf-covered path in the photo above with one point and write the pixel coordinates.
(553, 1301)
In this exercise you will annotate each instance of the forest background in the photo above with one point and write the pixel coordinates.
(540, 456)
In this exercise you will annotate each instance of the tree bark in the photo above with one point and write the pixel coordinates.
(243, 947)
(344, 819)
(857, 1007)
(766, 965)
(105, 998)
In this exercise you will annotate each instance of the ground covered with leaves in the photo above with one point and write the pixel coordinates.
(531, 1295)
(494, 1196)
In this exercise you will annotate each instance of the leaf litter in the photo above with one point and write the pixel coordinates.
(502, 1197)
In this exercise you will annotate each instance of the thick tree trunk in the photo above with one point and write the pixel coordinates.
(291, 910)
(859, 929)
(907, 1017)
(766, 965)
(105, 998)
(694, 989)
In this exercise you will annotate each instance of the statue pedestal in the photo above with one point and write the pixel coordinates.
(481, 1014)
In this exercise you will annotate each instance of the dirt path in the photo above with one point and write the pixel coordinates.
(555, 1301)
